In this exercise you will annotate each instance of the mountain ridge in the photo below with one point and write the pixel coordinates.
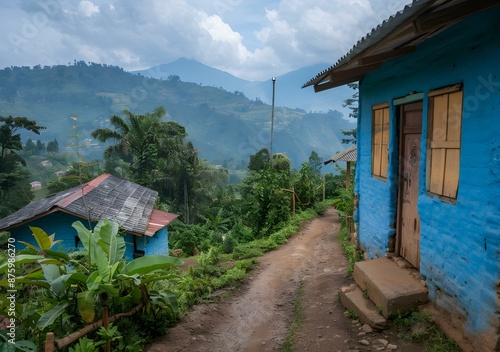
(288, 92)
(226, 127)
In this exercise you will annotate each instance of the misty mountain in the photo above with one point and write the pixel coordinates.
(288, 91)
(226, 127)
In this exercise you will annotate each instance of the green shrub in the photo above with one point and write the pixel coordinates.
(279, 237)
(241, 233)
(246, 264)
(349, 249)
(229, 278)
(247, 251)
(320, 207)
(229, 244)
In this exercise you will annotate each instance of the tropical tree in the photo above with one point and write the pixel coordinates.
(266, 200)
(315, 163)
(15, 191)
(305, 186)
(353, 104)
(281, 162)
(153, 153)
(259, 160)
(30, 146)
(53, 147)
(134, 138)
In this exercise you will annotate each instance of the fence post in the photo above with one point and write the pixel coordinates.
(50, 342)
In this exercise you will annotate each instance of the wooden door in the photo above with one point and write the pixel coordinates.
(409, 176)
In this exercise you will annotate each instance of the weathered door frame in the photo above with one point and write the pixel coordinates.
(402, 183)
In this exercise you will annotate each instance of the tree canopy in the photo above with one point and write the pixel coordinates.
(153, 153)
(15, 190)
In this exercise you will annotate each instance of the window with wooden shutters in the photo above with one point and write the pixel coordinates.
(444, 135)
(380, 140)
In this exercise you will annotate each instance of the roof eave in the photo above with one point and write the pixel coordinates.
(396, 37)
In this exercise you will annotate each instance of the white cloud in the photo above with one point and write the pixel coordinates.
(253, 40)
(87, 8)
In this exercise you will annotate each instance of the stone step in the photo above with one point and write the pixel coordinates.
(392, 288)
(353, 298)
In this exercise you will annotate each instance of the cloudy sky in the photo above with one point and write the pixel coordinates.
(251, 39)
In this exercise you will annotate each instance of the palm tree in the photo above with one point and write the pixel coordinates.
(133, 135)
(155, 154)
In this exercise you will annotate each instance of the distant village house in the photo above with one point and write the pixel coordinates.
(105, 197)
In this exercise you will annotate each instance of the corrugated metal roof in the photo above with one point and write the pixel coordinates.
(158, 220)
(348, 154)
(105, 197)
(395, 37)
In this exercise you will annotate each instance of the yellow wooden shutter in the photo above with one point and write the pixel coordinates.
(380, 140)
(445, 125)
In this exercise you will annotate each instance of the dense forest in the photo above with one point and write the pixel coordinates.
(226, 127)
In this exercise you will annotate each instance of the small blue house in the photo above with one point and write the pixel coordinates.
(428, 163)
(105, 197)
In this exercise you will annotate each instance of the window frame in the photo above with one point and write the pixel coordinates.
(443, 153)
(380, 157)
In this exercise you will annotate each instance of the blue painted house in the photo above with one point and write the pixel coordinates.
(105, 197)
(428, 163)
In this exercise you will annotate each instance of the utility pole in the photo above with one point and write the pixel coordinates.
(272, 123)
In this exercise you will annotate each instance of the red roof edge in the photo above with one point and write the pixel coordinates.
(158, 220)
(86, 188)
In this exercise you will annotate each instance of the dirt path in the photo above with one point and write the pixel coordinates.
(257, 316)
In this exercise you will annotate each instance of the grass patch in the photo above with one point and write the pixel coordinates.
(258, 247)
(352, 314)
(297, 320)
(418, 327)
(349, 249)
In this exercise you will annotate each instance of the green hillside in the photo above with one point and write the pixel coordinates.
(226, 127)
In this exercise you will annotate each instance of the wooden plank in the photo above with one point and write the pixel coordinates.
(377, 134)
(378, 116)
(454, 127)
(440, 117)
(343, 76)
(384, 131)
(384, 160)
(450, 184)
(376, 159)
(445, 90)
(385, 119)
(438, 158)
(380, 106)
(385, 56)
(445, 144)
(430, 123)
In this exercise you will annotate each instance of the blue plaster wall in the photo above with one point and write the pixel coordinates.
(460, 243)
(60, 224)
(157, 244)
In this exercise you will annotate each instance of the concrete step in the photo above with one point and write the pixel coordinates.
(354, 299)
(392, 288)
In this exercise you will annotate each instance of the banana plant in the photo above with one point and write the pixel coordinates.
(112, 277)
(105, 281)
